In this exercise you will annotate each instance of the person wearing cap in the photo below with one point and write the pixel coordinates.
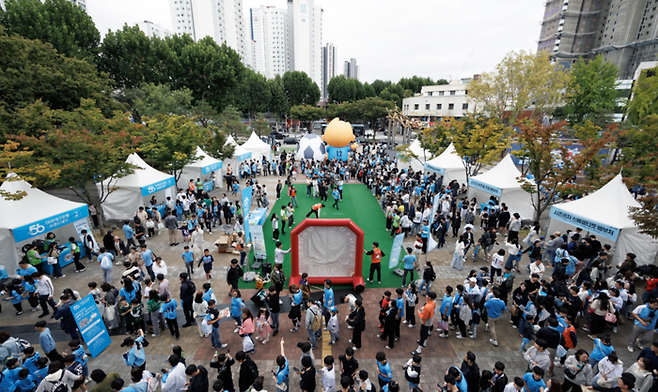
(135, 356)
(173, 380)
(198, 378)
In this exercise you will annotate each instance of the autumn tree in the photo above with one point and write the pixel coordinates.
(434, 139)
(520, 82)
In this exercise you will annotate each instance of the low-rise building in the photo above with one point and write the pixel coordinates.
(439, 101)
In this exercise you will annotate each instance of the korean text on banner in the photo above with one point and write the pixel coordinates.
(490, 189)
(158, 186)
(246, 206)
(258, 239)
(396, 250)
(434, 169)
(45, 225)
(597, 228)
(211, 168)
(244, 157)
(91, 325)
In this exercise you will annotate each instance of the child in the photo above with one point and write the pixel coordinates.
(236, 308)
(475, 320)
(570, 337)
(289, 213)
(76, 368)
(137, 313)
(150, 227)
(445, 310)
(94, 290)
(177, 350)
(284, 219)
(329, 375)
(42, 370)
(263, 324)
(275, 227)
(80, 356)
(412, 372)
(332, 325)
(124, 311)
(15, 292)
(411, 299)
(25, 382)
(384, 373)
(364, 383)
(30, 288)
(186, 233)
(30, 358)
(207, 261)
(168, 308)
(526, 332)
(383, 307)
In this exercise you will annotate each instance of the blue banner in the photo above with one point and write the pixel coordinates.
(91, 325)
(45, 225)
(396, 250)
(244, 157)
(158, 186)
(493, 190)
(594, 227)
(211, 168)
(434, 169)
(207, 186)
(246, 206)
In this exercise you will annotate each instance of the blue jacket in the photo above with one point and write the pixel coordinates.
(169, 309)
(31, 362)
(495, 307)
(46, 341)
(135, 357)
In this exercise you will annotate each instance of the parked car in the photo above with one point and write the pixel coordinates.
(363, 140)
(278, 135)
(290, 140)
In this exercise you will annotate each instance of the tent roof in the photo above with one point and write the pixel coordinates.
(449, 159)
(239, 150)
(141, 177)
(204, 159)
(614, 197)
(255, 143)
(421, 153)
(35, 206)
(230, 140)
(504, 175)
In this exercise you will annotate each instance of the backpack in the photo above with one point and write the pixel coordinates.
(317, 321)
(106, 263)
(59, 386)
(16, 346)
(432, 275)
(191, 287)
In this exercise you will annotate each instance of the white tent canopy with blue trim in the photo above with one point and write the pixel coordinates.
(201, 168)
(449, 165)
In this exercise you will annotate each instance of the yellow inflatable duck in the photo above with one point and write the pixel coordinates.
(339, 136)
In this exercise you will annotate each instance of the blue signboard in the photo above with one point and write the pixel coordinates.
(244, 157)
(91, 325)
(45, 225)
(211, 168)
(207, 186)
(597, 228)
(493, 190)
(438, 170)
(158, 186)
(246, 206)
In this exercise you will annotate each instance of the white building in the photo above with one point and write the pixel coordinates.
(328, 66)
(222, 20)
(351, 69)
(154, 30)
(268, 39)
(435, 102)
(304, 46)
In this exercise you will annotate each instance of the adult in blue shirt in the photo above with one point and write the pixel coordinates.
(328, 301)
(168, 309)
(645, 322)
(47, 342)
(147, 259)
(336, 196)
(282, 373)
(495, 308)
(410, 263)
(425, 234)
(129, 233)
(25, 269)
(384, 373)
(135, 357)
(534, 380)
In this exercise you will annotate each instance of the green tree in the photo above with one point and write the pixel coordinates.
(300, 88)
(279, 104)
(521, 82)
(379, 86)
(339, 89)
(434, 139)
(253, 94)
(368, 91)
(204, 114)
(151, 99)
(260, 125)
(415, 83)
(640, 151)
(372, 110)
(67, 27)
(394, 93)
(131, 58)
(591, 91)
(307, 114)
(645, 97)
(213, 142)
(230, 122)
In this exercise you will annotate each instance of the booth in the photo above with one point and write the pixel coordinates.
(202, 168)
(136, 189)
(257, 147)
(502, 181)
(239, 155)
(604, 214)
(416, 164)
(34, 216)
(449, 165)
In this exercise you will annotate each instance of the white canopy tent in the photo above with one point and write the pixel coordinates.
(33, 216)
(239, 155)
(135, 190)
(449, 165)
(257, 147)
(502, 181)
(230, 140)
(416, 164)
(202, 168)
(604, 214)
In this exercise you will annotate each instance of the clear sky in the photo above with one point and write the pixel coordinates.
(389, 38)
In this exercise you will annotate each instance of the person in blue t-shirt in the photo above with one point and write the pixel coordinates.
(188, 258)
(328, 301)
(495, 308)
(336, 194)
(534, 380)
(410, 263)
(168, 309)
(147, 259)
(399, 302)
(384, 373)
(425, 234)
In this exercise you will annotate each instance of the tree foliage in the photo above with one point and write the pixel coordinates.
(645, 97)
(342, 89)
(67, 27)
(279, 104)
(253, 94)
(591, 90)
(300, 88)
(229, 122)
(434, 139)
(416, 83)
(393, 92)
(640, 149)
(368, 110)
(151, 99)
(520, 82)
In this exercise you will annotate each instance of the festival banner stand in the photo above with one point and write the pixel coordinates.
(396, 251)
(91, 325)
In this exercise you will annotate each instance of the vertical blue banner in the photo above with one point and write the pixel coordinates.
(396, 250)
(91, 325)
(246, 206)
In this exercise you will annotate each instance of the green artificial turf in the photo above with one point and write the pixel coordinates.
(360, 206)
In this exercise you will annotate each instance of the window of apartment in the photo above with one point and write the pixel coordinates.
(438, 106)
(415, 106)
(451, 106)
(441, 92)
(452, 92)
(464, 106)
(427, 106)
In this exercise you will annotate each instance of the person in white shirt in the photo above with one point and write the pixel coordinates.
(174, 379)
(329, 375)
(610, 370)
(159, 266)
(278, 253)
(537, 268)
(515, 386)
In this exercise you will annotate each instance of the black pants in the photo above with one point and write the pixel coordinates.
(335, 204)
(45, 301)
(397, 328)
(356, 336)
(567, 385)
(18, 307)
(275, 234)
(78, 265)
(411, 317)
(187, 310)
(382, 383)
(313, 212)
(515, 235)
(425, 241)
(404, 277)
(376, 267)
(423, 333)
(389, 332)
(173, 327)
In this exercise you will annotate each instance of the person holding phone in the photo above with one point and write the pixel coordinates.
(282, 374)
(223, 363)
(173, 380)
(449, 384)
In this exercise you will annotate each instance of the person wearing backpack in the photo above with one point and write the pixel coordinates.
(248, 371)
(187, 290)
(106, 258)
(58, 379)
(313, 320)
